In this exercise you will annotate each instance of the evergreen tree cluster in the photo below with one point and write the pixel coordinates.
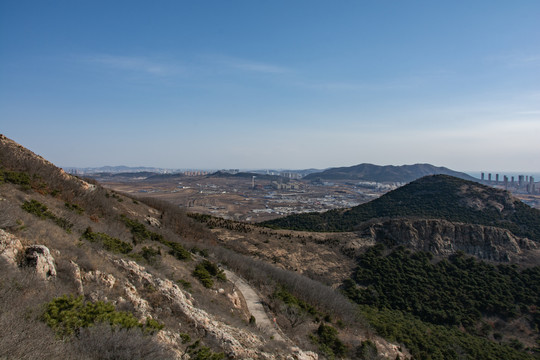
(453, 291)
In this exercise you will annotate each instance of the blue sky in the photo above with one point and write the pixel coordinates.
(273, 84)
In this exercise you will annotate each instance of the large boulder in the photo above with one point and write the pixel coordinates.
(39, 257)
(10, 247)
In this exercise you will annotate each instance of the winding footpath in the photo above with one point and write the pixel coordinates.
(255, 307)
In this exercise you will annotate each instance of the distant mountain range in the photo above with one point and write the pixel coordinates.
(387, 173)
(361, 172)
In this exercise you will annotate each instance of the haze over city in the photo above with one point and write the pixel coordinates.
(246, 84)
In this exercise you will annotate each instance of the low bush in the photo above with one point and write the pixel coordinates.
(139, 231)
(15, 177)
(198, 352)
(326, 338)
(177, 250)
(67, 314)
(38, 209)
(185, 284)
(74, 207)
(108, 242)
(206, 270)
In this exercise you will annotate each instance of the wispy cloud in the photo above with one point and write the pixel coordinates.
(134, 64)
(247, 65)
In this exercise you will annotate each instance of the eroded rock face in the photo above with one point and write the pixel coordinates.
(10, 247)
(238, 343)
(152, 221)
(444, 238)
(107, 280)
(39, 257)
(76, 272)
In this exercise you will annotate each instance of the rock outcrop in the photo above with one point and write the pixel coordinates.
(10, 247)
(152, 221)
(444, 238)
(76, 273)
(237, 343)
(39, 257)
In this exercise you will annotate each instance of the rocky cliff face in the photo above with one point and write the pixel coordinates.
(444, 238)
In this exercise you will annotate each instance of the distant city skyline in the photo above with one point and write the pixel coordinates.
(280, 84)
(473, 173)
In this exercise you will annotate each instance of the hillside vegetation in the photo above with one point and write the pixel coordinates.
(128, 278)
(407, 295)
(431, 197)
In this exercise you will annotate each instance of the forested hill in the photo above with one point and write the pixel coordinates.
(388, 173)
(431, 197)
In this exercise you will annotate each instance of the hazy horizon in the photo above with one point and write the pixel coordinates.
(473, 173)
(255, 85)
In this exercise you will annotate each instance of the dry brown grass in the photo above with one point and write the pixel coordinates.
(24, 336)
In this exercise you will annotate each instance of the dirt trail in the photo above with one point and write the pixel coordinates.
(255, 307)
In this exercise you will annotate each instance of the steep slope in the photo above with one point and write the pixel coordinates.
(100, 256)
(388, 173)
(116, 271)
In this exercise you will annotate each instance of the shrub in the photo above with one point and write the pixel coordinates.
(67, 314)
(366, 350)
(185, 338)
(204, 353)
(15, 177)
(185, 284)
(74, 207)
(203, 275)
(148, 254)
(206, 270)
(138, 230)
(38, 209)
(327, 340)
(108, 242)
(198, 352)
(177, 250)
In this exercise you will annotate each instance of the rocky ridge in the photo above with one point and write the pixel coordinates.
(444, 238)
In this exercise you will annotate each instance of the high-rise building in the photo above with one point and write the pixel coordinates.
(489, 177)
(497, 178)
(482, 176)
